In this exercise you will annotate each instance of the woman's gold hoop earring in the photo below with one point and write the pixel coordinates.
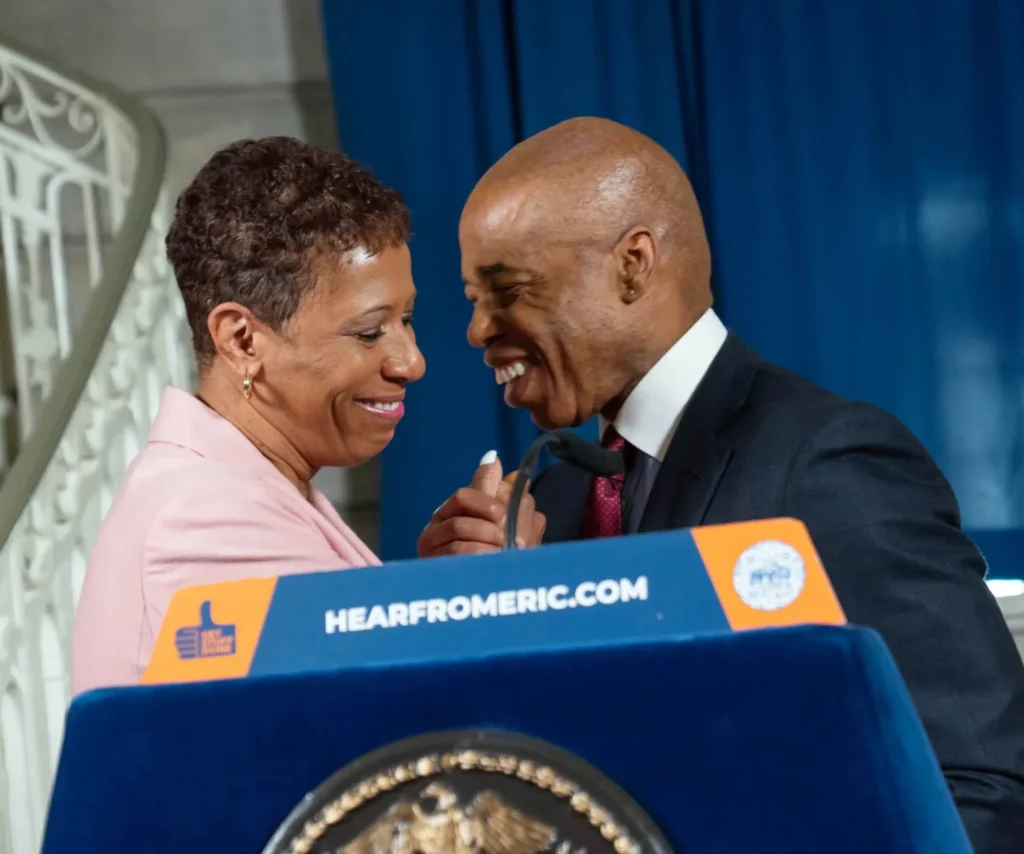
(247, 386)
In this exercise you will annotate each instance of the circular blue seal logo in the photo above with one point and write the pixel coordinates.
(769, 575)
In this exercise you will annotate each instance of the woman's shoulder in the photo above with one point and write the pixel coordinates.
(182, 514)
(179, 487)
(217, 521)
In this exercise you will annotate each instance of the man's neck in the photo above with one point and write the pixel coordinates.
(217, 393)
(649, 414)
(645, 360)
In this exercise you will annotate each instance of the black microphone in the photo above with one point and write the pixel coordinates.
(570, 448)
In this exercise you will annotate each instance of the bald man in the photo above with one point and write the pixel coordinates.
(586, 262)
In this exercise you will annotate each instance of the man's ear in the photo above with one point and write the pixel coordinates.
(235, 333)
(636, 255)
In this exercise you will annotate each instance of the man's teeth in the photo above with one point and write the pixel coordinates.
(509, 372)
(382, 406)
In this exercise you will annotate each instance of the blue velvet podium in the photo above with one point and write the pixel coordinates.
(679, 664)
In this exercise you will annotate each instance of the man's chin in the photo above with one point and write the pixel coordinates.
(547, 419)
(542, 412)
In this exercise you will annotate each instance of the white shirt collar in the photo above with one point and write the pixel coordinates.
(650, 415)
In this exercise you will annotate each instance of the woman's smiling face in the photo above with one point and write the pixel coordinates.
(333, 380)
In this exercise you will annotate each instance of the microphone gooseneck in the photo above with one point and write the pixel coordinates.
(586, 455)
(568, 447)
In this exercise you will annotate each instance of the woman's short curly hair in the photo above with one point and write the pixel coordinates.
(252, 225)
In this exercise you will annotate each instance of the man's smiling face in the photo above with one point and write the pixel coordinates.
(545, 310)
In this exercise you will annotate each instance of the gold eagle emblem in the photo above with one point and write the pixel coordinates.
(436, 824)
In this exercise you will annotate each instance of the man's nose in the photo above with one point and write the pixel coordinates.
(482, 327)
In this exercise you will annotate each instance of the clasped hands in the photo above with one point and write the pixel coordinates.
(472, 521)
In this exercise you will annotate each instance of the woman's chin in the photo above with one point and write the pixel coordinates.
(368, 448)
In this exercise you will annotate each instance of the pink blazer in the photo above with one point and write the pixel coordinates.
(200, 504)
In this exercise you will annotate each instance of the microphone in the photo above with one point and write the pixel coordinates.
(570, 448)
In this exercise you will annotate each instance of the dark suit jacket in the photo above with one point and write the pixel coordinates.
(757, 442)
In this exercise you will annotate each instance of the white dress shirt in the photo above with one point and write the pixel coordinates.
(650, 415)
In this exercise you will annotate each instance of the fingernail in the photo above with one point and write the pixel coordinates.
(520, 542)
(488, 458)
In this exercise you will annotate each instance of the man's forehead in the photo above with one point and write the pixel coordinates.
(504, 206)
(500, 256)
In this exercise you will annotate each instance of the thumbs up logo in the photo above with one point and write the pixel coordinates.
(207, 640)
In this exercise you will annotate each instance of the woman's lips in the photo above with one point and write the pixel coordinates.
(391, 410)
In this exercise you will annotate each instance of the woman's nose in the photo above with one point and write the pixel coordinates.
(407, 365)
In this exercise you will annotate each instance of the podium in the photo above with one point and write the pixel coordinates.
(709, 674)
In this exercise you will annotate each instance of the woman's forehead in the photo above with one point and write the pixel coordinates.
(358, 281)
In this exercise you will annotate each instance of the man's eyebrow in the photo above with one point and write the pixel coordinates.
(490, 270)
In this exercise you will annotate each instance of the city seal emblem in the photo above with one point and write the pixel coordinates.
(468, 792)
(769, 575)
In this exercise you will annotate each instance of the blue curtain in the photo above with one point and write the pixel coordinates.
(856, 166)
(868, 195)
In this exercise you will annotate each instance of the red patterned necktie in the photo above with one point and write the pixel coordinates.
(603, 514)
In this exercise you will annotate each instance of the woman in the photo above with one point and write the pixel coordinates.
(296, 277)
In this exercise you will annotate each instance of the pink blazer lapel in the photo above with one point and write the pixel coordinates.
(341, 537)
(186, 421)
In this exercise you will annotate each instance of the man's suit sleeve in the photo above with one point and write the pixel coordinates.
(886, 524)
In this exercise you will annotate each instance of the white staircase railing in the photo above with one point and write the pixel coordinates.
(92, 330)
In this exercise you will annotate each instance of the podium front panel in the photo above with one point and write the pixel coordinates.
(786, 741)
(568, 596)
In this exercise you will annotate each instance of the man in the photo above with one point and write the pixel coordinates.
(586, 261)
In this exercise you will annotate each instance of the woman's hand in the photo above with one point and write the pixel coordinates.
(472, 521)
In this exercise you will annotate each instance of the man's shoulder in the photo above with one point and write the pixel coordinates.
(752, 401)
(777, 393)
(782, 405)
(833, 447)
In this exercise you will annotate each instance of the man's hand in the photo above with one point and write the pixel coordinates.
(472, 521)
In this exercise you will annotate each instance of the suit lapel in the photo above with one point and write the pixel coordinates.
(698, 455)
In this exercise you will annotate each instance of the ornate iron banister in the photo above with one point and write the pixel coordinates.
(87, 386)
